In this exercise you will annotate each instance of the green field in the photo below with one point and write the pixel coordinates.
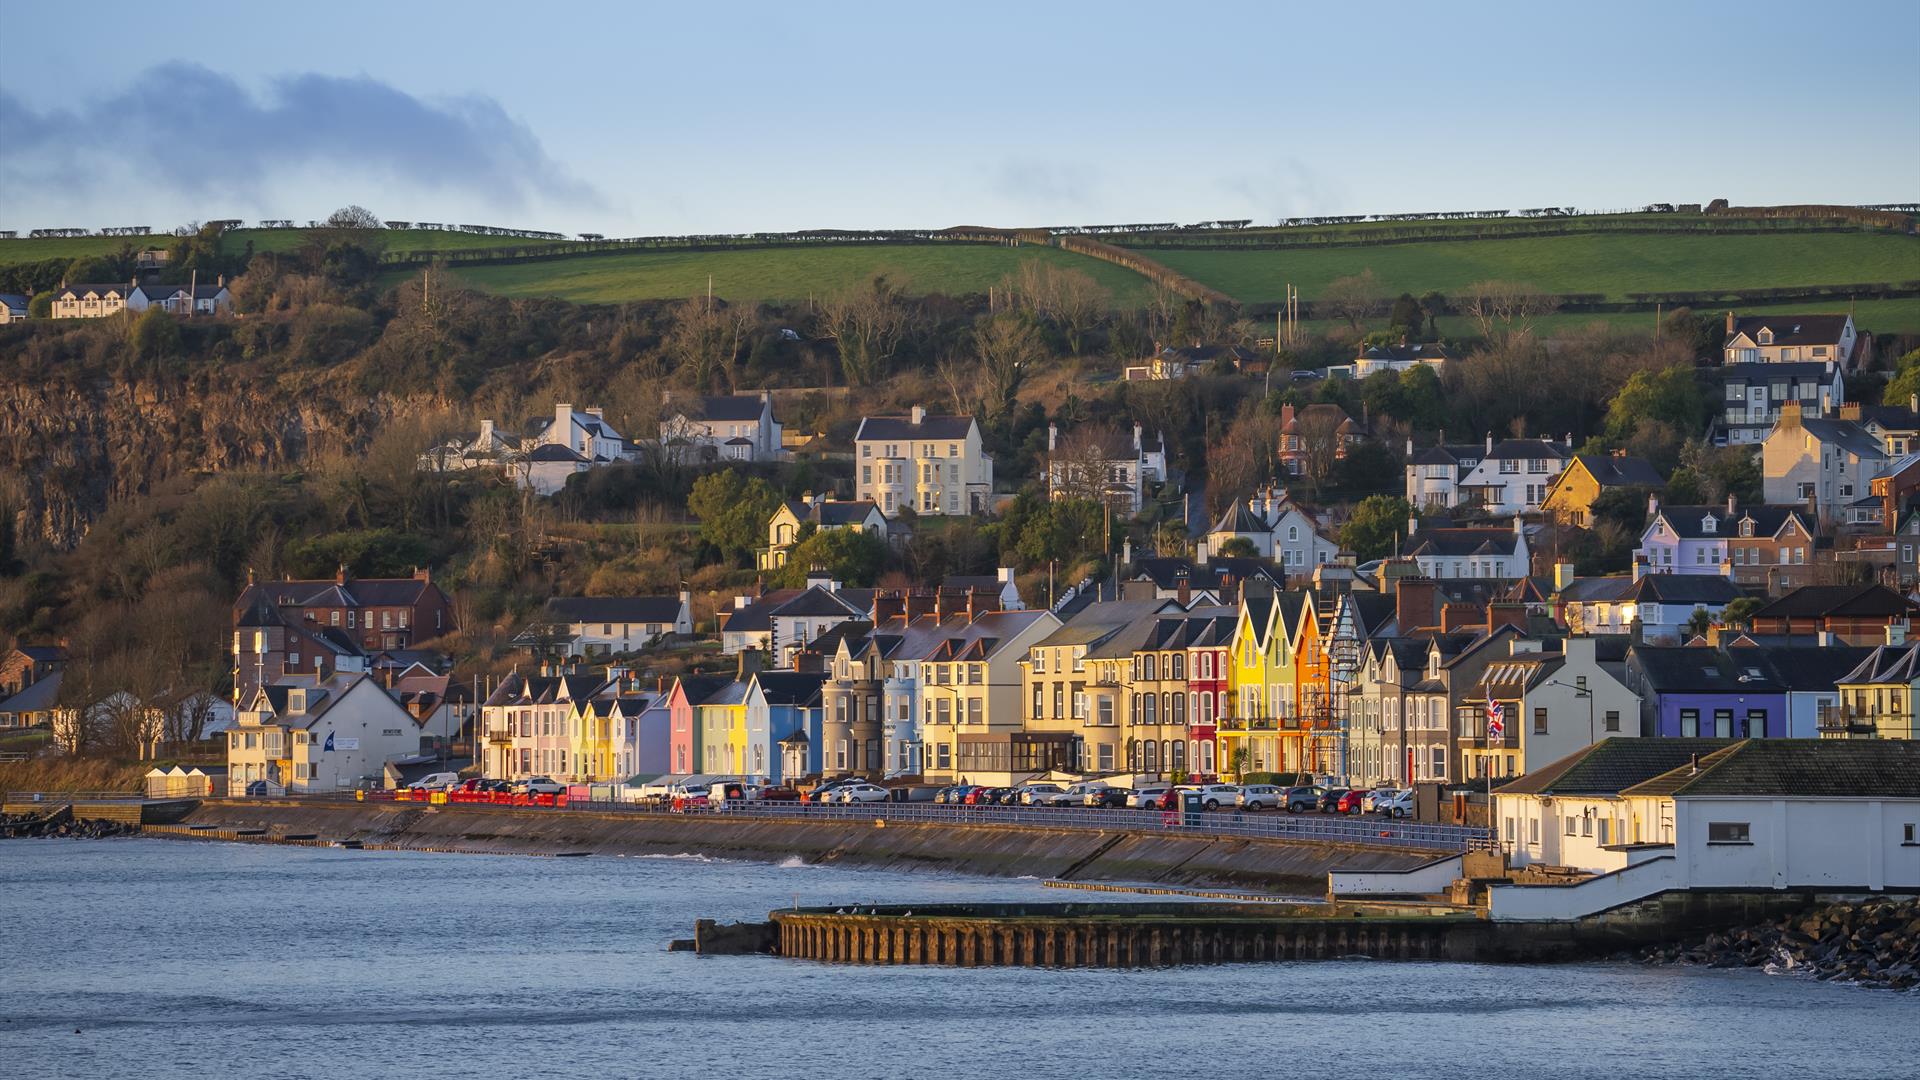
(1610, 264)
(786, 273)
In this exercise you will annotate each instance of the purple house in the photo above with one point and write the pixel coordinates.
(1703, 693)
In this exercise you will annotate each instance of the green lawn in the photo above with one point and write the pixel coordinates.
(1883, 317)
(1611, 264)
(790, 273)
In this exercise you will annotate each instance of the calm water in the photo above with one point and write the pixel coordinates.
(199, 960)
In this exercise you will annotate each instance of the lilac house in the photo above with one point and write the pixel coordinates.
(1700, 693)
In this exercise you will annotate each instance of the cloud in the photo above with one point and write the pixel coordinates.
(195, 131)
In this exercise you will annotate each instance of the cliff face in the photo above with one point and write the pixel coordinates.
(74, 448)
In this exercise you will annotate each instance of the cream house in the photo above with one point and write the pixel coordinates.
(934, 464)
(305, 735)
(1778, 339)
(733, 427)
(825, 515)
(89, 301)
(1828, 463)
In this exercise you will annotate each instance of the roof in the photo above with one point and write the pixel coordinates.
(1793, 329)
(699, 689)
(829, 513)
(1684, 589)
(1818, 768)
(1890, 417)
(1784, 372)
(96, 289)
(48, 653)
(1427, 353)
(1326, 410)
(35, 697)
(554, 452)
(1887, 664)
(1610, 765)
(1689, 522)
(1827, 601)
(1687, 669)
(1200, 354)
(816, 601)
(790, 687)
(1239, 519)
(903, 427)
(1461, 542)
(732, 407)
(1846, 434)
(14, 301)
(1528, 449)
(1609, 470)
(1447, 455)
(613, 609)
(1800, 668)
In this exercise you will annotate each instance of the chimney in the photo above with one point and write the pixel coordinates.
(1137, 445)
(1503, 614)
(1053, 437)
(1850, 410)
(1409, 446)
(1789, 415)
(919, 602)
(1913, 403)
(1459, 615)
(887, 604)
(340, 575)
(562, 415)
(749, 664)
(1732, 501)
(810, 662)
(1185, 585)
(1729, 322)
(249, 575)
(596, 412)
(1896, 633)
(1694, 770)
(486, 430)
(982, 601)
(1286, 416)
(1653, 504)
(919, 415)
(1562, 575)
(1489, 442)
(1416, 603)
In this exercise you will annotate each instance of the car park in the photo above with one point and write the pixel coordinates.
(1038, 794)
(1074, 794)
(1300, 800)
(860, 793)
(1148, 796)
(1366, 801)
(1109, 797)
(1260, 797)
(1330, 799)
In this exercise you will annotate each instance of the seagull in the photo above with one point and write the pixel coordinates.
(839, 911)
(906, 914)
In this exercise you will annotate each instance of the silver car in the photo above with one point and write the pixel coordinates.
(1261, 797)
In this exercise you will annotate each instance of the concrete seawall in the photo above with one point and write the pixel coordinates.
(1293, 867)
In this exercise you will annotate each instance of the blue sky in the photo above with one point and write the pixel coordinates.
(630, 119)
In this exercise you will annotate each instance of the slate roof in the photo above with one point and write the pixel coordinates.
(1528, 449)
(699, 689)
(1688, 522)
(1800, 668)
(1887, 664)
(1828, 601)
(613, 609)
(829, 513)
(903, 427)
(1847, 435)
(818, 602)
(1458, 542)
(44, 653)
(757, 615)
(1689, 670)
(14, 302)
(1611, 765)
(1239, 519)
(1701, 589)
(1793, 329)
(1611, 471)
(731, 407)
(1890, 417)
(35, 697)
(76, 291)
(1406, 353)
(1816, 768)
(1787, 371)
(1446, 455)
(555, 452)
(1338, 416)
(800, 688)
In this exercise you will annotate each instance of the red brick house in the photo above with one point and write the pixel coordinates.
(320, 627)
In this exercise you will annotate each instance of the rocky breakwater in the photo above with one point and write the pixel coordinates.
(1871, 943)
(21, 826)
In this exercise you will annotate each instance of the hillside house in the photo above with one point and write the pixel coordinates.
(1512, 476)
(89, 301)
(1751, 397)
(1753, 545)
(1278, 528)
(1179, 362)
(1822, 464)
(1586, 477)
(935, 465)
(825, 515)
(599, 625)
(13, 308)
(1374, 359)
(1852, 614)
(1786, 339)
(303, 734)
(1434, 474)
(1316, 436)
(731, 427)
(1443, 550)
(319, 627)
(1104, 466)
(183, 299)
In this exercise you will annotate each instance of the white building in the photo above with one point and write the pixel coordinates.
(933, 464)
(1434, 474)
(1512, 477)
(732, 427)
(1825, 463)
(825, 515)
(1751, 396)
(1447, 551)
(1778, 339)
(1552, 704)
(585, 433)
(1667, 815)
(1659, 605)
(183, 299)
(1374, 359)
(598, 625)
(305, 735)
(1277, 528)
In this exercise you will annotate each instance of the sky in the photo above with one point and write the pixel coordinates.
(634, 119)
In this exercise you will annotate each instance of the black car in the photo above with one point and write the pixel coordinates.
(1330, 800)
(1110, 798)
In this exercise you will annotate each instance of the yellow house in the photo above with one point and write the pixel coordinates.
(1261, 684)
(722, 720)
(1570, 497)
(1876, 698)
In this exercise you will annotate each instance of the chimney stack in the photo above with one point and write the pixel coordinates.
(1729, 322)
(1416, 603)
(1053, 437)
(919, 415)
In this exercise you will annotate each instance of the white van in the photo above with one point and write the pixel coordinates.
(440, 781)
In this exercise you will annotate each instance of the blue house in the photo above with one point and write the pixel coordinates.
(783, 724)
(1702, 693)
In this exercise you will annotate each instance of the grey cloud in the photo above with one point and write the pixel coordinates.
(185, 127)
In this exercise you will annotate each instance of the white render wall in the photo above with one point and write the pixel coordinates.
(1833, 843)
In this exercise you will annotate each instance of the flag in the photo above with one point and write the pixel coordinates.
(328, 749)
(1496, 730)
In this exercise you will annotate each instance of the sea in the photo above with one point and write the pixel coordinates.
(169, 959)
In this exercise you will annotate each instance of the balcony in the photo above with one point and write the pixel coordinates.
(1246, 723)
(1847, 722)
(500, 736)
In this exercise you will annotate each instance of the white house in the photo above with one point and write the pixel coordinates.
(1825, 463)
(934, 464)
(586, 433)
(732, 427)
(1659, 605)
(183, 299)
(1751, 396)
(1435, 473)
(547, 466)
(1277, 528)
(1447, 551)
(1512, 476)
(1374, 359)
(1552, 704)
(598, 625)
(1777, 339)
(1837, 815)
(303, 735)
(1103, 465)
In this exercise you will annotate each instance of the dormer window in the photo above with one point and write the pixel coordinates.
(1766, 337)
(1709, 525)
(1746, 526)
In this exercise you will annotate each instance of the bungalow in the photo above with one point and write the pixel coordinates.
(183, 299)
(1568, 813)
(1374, 359)
(598, 625)
(1180, 362)
(13, 308)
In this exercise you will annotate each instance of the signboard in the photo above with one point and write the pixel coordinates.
(333, 744)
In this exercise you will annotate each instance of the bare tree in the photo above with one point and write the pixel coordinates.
(1008, 348)
(1244, 456)
(868, 324)
(1503, 308)
(1081, 462)
(1355, 299)
(1320, 444)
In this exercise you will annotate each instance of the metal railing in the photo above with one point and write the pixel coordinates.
(71, 796)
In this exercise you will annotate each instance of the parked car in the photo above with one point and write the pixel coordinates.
(440, 781)
(1214, 796)
(1351, 802)
(918, 793)
(1366, 801)
(829, 791)
(1109, 797)
(862, 793)
(1330, 799)
(540, 785)
(1300, 800)
(1038, 794)
(1260, 797)
(951, 794)
(1148, 796)
(1394, 803)
(1074, 795)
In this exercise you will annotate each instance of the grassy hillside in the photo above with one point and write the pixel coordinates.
(789, 273)
(1610, 264)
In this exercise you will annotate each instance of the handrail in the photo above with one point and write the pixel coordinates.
(71, 796)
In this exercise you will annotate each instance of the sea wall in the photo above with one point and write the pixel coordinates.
(1292, 867)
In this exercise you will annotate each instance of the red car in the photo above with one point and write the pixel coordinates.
(1350, 803)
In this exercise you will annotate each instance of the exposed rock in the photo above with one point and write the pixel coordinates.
(1871, 942)
(35, 825)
